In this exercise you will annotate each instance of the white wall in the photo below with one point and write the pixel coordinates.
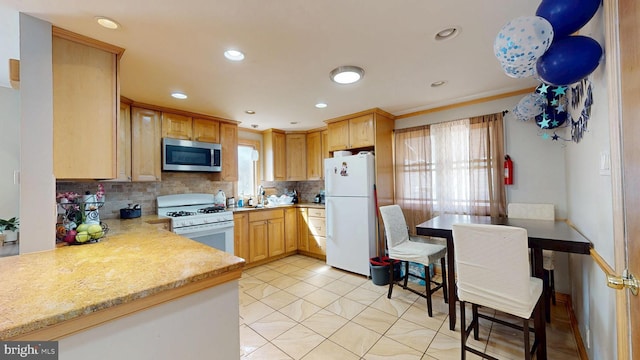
(9, 38)
(589, 200)
(9, 152)
(37, 184)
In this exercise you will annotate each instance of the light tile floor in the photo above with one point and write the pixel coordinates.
(300, 308)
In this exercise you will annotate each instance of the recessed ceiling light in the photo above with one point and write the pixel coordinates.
(107, 23)
(438, 83)
(321, 105)
(250, 112)
(346, 74)
(179, 95)
(446, 34)
(234, 55)
(293, 122)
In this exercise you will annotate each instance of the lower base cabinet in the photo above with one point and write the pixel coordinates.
(264, 235)
(261, 236)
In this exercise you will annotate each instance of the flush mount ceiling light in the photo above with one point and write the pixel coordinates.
(446, 34)
(107, 23)
(179, 95)
(438, 83)
(234, 55)
(250, 112)
(321, 105)
(346, 74)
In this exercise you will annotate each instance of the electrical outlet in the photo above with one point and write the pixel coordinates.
(588, 338)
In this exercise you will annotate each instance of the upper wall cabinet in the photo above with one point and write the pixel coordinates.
(296, 145)
(275, 156)
(352, 133)
(206, 130)
(146, 153)
(177, 126)
(86, 108)
(229, 142)
(367, 130)
(185, 127)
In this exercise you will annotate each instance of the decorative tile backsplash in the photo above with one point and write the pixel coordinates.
(119, 195)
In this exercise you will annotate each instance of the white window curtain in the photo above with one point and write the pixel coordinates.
(452, 167)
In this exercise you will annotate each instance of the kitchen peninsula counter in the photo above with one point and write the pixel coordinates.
(53, 294)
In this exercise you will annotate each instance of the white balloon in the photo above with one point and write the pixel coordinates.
(522, 41)
(530, 106)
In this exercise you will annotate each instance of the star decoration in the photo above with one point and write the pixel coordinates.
(555, 137)
(554, 102)
(544, 123)
(545, 136)
(543, 88)
(545, 116)
(560, 108)
(560, 90)
(555, 123)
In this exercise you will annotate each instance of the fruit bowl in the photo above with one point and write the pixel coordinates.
(83, 234)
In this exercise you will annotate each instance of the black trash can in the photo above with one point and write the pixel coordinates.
(379, 267)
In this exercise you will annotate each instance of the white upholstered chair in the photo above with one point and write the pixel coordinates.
(539, 212)
(405, 248)
(492, 268)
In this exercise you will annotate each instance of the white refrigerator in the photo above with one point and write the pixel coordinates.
(350, 211)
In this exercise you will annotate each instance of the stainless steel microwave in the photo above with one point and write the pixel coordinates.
(185, 155)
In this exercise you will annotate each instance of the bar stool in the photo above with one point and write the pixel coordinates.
(405, 248)
(492, 268)
(540, 212)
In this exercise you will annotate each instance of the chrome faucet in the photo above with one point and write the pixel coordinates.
(261, 195)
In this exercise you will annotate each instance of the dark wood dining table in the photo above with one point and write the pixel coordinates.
(543, 235)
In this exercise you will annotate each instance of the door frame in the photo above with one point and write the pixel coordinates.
(617, 123)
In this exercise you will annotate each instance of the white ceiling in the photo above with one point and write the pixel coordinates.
(291, 46)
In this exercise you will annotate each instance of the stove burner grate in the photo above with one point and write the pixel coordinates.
(180, 213)
(212, 209)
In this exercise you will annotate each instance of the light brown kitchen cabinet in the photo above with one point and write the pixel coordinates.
(86, 94)
(123, 159)
(266, 234)
(317, 232)
(241, 236)
(275, 232)
(177, 126)
(303, 229)
(312, 232)
(206, 130)
(275, 155)
(229, 142)
(325, 149)
(369, 130)
(258, 241)
(361, 132)
(296, 145)
(291, 230)
(352, 133)
(314, 155)
(338, 135)
(146, 155)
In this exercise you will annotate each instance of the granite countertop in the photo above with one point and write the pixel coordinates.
(247, 208)
(135, 260)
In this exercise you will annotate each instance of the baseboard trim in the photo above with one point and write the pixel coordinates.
(566, 300)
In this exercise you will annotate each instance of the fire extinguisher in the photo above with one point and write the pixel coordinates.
(508, 170)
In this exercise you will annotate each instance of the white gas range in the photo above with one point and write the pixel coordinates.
(197, 217)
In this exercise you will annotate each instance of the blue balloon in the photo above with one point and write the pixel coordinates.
(569, 60)
(567, 16)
